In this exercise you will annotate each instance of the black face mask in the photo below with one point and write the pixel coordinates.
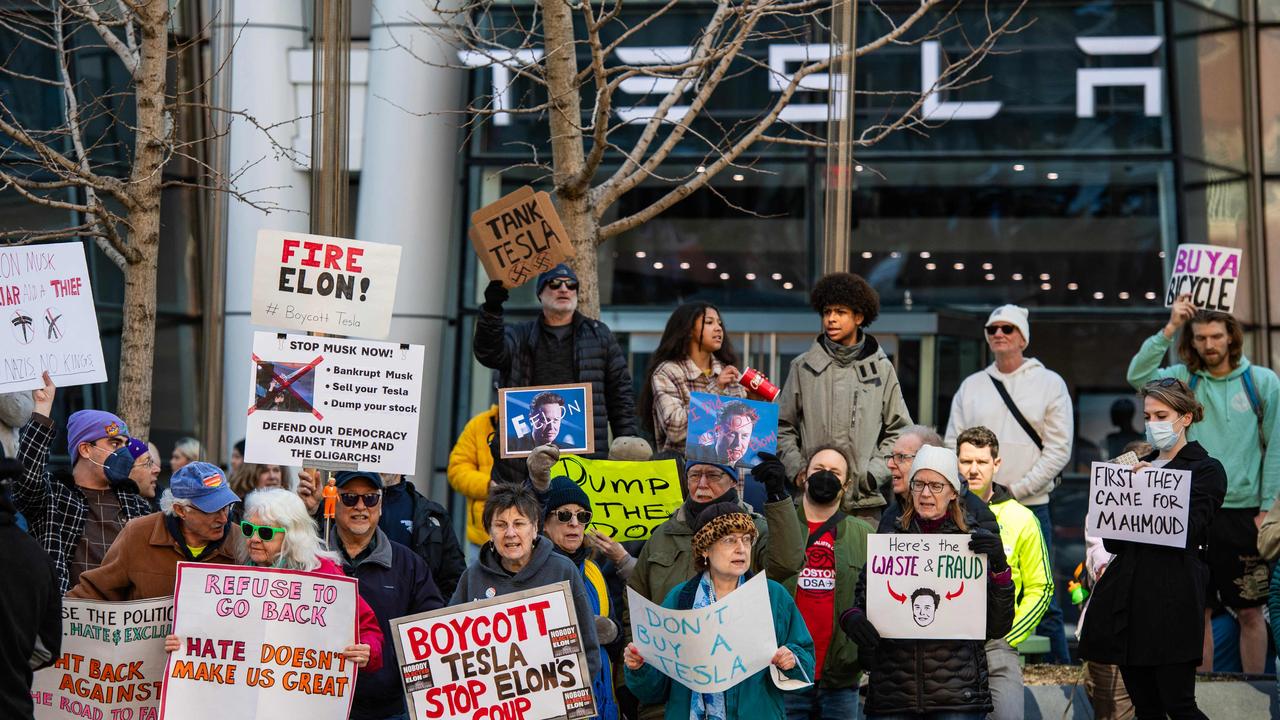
(696, 508)
(822, 487)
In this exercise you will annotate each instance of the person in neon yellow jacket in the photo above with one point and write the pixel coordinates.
(979, 453)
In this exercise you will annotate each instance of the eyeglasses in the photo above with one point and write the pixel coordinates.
(564, 516)
(1006, 329)
(263, 531)
(935, 488)
(557, 284)
(370, 499)
(707, 476)
(731, 541)
(900, 458)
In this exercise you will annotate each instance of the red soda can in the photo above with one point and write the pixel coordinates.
(756, 382)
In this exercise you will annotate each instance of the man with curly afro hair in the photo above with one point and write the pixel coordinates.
(844, 392)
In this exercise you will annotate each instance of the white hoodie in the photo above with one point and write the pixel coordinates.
(1041, 395)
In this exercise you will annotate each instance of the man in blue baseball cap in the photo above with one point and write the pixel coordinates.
(75, 515)
(191, 525)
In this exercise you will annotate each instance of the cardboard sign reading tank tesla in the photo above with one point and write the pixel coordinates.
(112, 661)
(513, 656)
(318, 284)
(49, 319)
(333, 403)
(1208, 273)
(519, 236)
(926, 587)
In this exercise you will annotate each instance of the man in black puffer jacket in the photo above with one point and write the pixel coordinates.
(559, 347)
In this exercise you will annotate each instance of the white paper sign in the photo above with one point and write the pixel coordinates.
(333, 403)
(1208, 273)
(926, 587)
(49, 319)
(112, 661)
(1149, 506)
(513, 656)
(260, 643)
(710, 649)
(314, 283)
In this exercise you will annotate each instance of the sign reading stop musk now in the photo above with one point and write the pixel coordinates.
(260, 643)
(1209, 274)
(519, 236)
(512, 656)
(314, 283)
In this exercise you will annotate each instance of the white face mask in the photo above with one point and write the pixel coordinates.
(1162, 435)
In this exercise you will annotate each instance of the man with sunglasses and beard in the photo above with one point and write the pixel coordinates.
(394, 581)
(560, 346)
(1028, 407)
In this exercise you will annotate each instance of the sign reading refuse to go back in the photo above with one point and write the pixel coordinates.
(333, 403)
(519, 236)
(313, 283)
(1208, 273)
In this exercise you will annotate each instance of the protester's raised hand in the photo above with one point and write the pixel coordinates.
(172, 643)
(784, 658)
(631, 657)
(607, 546)
(540, 462)
(728, 376)
(1182, 311)
(494, 295)
(357, 654)
(309, 489)
(43, 397)
(772, 475)
(988, 543)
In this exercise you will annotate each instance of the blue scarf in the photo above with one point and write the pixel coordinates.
(707, 706)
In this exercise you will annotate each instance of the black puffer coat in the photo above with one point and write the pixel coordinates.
(927, 676)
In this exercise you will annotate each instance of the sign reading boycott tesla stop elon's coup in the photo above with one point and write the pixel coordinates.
(923, 587)
(314, 283)
(519, 236)
(1149, 506)
(1208, 274)
(333, 403)
(260, 643)
(48, 317)
(512, 657)
(112, 661)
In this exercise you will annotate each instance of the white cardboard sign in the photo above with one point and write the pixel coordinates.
(1149, 506)
(333, 403)
(319, 284)
(1208, 273)
(49, 318)
(926, 587)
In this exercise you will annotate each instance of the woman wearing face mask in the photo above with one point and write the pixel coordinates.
(1146, 613)
(835, 553)
(280, 534)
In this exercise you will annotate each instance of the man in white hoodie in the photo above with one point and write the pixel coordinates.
(1029, 408)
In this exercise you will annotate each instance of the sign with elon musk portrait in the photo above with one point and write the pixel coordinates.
(926, 587)
(557, 415)
(729, 430)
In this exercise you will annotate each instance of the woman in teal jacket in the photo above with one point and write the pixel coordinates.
(722, 551)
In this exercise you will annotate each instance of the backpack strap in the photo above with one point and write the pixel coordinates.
(1017, 414)
(824, 528)
(1250, 390)
(1193, 381)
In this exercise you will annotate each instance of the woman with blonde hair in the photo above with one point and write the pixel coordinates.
(258, 476)
(186, 450)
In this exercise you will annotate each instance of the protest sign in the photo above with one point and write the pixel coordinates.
(559, 415)
(512, 656)
(519, 236)
(1208, 273)
(112, 661)
(47, 305)
(1149, 506)
(314, 283)
(710, 649)
(628, 499)
(260, 643)
(926, 587)
(334, 403)
(730, 430)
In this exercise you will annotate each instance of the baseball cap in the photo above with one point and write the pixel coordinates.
(347, 476)
(204, 485)
(91, 426)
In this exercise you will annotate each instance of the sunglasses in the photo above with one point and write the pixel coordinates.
(564, 516)
(557, 284)
(1165, 382)
(1006, 329)
(264, 532)
(370, 499)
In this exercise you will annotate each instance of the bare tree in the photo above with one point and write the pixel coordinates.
(573, 53)
(102, 160)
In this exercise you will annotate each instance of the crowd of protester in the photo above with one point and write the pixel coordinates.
(850, 462)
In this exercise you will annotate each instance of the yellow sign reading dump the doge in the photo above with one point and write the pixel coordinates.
(628, 499)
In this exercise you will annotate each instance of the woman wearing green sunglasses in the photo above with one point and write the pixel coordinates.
(280, 534)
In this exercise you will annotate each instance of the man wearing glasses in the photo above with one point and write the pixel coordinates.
(394, 581)
(75, 515)
(560, 346)
(1028, 407)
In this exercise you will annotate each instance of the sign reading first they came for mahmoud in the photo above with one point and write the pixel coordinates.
(333, 403)
(926, 587)
(260, 643)
(512, 656)
(1208, 273)
(112, 661)
(49, 320)
(314, 283)
(1149, 506)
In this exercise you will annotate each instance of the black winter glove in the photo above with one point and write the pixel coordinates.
(855, 624)
(494, 295)
(773, 476)
(986, 542)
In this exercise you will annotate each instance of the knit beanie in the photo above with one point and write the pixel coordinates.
(564, 492)
(715, 522)
(1015, 316)
(940, 460)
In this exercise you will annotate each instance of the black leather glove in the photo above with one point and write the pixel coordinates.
(773, 476)
(855, 624)
(494, 295)
(986, 542)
